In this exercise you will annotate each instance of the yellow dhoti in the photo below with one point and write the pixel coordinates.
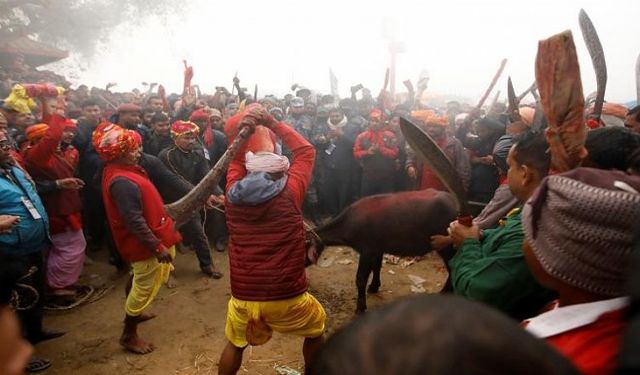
(251, 322)
(148, 277)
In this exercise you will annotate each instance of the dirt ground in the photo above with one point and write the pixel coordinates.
(189, 330)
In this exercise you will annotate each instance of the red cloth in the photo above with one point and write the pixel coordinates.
(45, 161)
(130, 248)
(428, 178)
(593, 348)
(267, 242)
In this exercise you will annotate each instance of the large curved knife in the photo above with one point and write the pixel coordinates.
(594, 46)
(427, 149)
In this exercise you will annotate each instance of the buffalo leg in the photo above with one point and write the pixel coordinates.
(362, 276)
(374, 287)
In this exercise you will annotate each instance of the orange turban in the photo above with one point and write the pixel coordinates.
(422, 115)
(184, 127)
(527, 114)
(113, 142)
(429, 117)
(35, 132)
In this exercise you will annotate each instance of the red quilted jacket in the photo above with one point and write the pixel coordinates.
(267, 242)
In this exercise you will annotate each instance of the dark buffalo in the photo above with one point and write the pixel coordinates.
(399, 224)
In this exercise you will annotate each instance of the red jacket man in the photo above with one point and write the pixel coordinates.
(377, 149)
(267, 248)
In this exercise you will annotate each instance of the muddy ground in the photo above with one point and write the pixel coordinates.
(189, 330)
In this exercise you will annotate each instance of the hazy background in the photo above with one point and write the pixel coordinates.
(277, 43)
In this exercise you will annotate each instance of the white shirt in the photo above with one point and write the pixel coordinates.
(566, 318)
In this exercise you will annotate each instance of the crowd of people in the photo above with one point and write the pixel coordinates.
(86, 169)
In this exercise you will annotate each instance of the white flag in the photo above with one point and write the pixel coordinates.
(333, 81)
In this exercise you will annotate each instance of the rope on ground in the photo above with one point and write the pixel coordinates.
(87, 295)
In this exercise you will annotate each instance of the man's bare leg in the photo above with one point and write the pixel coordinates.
(310, 349)
(145, 315)
(230, 360)
(130, 339)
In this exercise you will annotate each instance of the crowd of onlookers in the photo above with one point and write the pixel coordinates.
(51, 200)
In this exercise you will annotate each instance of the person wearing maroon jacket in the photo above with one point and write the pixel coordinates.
(52, 162)
(377, 149)
(267, 249)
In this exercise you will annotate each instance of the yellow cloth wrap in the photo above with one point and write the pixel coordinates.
(148, 277)
(251, 322)
(18, 100)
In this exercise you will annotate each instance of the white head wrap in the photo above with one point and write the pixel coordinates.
(266, 162)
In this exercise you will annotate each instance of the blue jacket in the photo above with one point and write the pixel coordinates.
(30, 235)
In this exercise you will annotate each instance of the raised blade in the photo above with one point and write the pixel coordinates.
(594, 46)
(425, 147)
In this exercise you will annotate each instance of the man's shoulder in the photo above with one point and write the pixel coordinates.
(218, 134)
(453, 142)
(362, 135)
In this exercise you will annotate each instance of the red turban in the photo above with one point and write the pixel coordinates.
(199, 115)
(70, 125)
(35, 132)
(113, 142)
(376, 113)
(184, 127)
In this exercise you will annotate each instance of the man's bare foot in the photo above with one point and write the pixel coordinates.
(135, 344)
(144, 317)
(171, 283)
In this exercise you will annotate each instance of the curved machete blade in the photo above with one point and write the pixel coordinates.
(512, 99)
(430, 153)
(594, 46)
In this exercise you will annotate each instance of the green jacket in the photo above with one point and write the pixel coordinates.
(493, 270)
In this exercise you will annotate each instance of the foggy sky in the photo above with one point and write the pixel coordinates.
(276, 43)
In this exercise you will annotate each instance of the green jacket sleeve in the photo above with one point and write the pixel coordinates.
(492, 271)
